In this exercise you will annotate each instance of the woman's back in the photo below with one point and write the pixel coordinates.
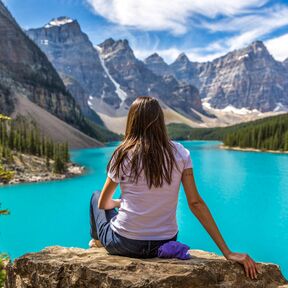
(149, 168)
(149, 213)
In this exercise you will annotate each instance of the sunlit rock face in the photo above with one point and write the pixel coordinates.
(77, 61)
(107, 77)
(137, 79)
(26, 72)
(30, 86)
(58, 267)
(157, 64)
(246, 78)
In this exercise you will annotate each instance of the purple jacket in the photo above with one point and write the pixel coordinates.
(174, 249)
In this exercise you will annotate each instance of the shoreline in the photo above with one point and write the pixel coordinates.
(73, 170)
(34, 170)
(221, 146)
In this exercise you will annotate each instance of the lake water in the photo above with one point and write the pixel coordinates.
(247, 193)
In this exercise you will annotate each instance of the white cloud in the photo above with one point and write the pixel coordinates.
(276, 14)
(166, 15)
(278, 47)
(241, 24)
(249, 27)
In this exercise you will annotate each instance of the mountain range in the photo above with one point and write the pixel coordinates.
(31, 86)
(246, 78)
(87, 87)
(109, 77)
(242, 85)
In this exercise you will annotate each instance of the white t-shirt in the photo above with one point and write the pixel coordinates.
(150, 213)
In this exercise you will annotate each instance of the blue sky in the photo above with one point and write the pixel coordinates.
(203, 29)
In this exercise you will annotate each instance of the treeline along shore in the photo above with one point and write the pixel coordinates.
(28, 156)
(268, 134)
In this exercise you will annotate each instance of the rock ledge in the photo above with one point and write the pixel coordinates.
(73, 267)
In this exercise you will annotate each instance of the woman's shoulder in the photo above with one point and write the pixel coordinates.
(182, 154)
(177, 145)
(180, 149)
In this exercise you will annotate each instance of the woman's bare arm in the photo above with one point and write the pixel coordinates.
(105, 201)
(202, 212)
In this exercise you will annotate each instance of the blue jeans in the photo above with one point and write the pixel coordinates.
(113, 242)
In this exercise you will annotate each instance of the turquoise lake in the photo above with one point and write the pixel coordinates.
(247, 192)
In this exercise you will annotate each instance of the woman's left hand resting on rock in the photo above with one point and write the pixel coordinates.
(201, 211)
(249, 264)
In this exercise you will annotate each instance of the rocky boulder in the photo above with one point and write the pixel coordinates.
(74, 267)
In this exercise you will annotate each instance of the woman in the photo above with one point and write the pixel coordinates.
(149, 168)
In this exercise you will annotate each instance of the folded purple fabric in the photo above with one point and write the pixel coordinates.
(174, 249)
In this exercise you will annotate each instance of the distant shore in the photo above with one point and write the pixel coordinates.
(72, 171)
(33, 169)
(221, 146)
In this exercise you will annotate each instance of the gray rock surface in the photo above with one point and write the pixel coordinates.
(136, 79)
(108, 75)
(157, 64)
(246, 78)
(185, 70)
(25, 72)
(58, 267)
(285, 63)
(73, 55)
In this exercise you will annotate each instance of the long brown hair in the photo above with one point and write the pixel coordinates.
(147, 140)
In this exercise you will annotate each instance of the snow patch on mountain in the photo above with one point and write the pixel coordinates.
(229, 109)
(280, 108)
(59, 22)
(121, 94)
(243, 56)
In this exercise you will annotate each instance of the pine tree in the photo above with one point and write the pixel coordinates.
(22, 135)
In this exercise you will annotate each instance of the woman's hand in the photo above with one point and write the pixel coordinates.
(117, 203)
(249, 264)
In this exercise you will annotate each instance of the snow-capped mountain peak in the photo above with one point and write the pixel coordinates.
(59, 22)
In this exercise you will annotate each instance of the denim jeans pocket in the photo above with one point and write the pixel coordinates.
(112, 249)
(126, 247)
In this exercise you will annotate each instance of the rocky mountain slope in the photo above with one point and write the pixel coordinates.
(247, 78)
(136, 79)
(285, 63)
(243, 85)
(108, 77)
(77, 61)
(25, 72)
(157, 64)
(73, 267)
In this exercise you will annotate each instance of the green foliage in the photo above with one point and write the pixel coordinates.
(61, 157)
(5, 176)
(2, 257)
(266, 134)
(23, 136)
(4, 212)
(3, 117)
(178, 131)
(2, 271)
